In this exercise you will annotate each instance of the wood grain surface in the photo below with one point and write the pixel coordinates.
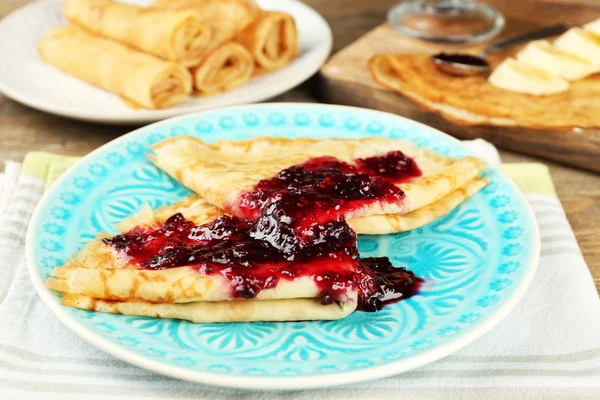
(346, 80)
(23, 129)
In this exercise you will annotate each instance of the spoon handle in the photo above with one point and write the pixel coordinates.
(539, 34)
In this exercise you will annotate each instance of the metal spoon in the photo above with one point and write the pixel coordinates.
(466, 64)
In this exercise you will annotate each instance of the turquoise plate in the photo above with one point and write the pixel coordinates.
(478, 262)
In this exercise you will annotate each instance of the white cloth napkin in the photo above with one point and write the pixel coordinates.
(547, 348)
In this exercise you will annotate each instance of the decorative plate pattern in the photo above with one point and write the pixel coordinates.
(25, 78)
(477, 262)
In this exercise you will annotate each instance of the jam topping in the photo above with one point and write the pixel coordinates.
(325, 187)
(295, 227)
(380, 283)
(394, 166)
(227, 246)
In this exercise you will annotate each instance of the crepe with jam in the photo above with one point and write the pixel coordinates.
(87, 286)
(221, 268)
(284, 251)
(377, 180)
(473, 100)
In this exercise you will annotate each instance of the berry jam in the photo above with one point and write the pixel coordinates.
(394, 166)
(227, 246)
(325, 187)
(380, 283)
(294, 227)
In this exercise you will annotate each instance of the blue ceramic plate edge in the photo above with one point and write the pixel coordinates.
(269, 383)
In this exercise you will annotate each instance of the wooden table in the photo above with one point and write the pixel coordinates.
(23, 129)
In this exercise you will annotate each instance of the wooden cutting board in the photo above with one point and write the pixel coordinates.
(345, 79)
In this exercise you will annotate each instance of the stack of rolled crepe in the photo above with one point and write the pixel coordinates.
(140, 54)
(97, 279)
(143, 54)
(267, 38)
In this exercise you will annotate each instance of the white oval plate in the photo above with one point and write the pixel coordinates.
(24, 77)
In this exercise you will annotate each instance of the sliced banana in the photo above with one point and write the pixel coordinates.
(520, 76)
(551, 59)
(581, 44)
(593, 28)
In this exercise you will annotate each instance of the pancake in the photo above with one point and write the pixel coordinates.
(227, 66)
(105, 276)
(226, 17)
(223, 172)
(196, 209)
(272, 39)
(140, 78)
(392, 223)
(223, 311)
(101, 278)
(176, 35)
(472, 100)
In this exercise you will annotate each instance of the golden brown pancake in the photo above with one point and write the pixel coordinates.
(473, 100)
(272, 38)
(220, 173)
(100, 278)
(226, 17)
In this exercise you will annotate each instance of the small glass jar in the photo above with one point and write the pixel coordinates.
(448, 21)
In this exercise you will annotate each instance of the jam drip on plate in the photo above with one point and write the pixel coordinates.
(295, 227)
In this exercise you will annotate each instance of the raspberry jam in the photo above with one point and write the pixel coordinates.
(294, 227)
(394, 166)
(326, 187)
(227, 246)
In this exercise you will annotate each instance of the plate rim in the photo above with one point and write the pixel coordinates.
(272, 383)
(151, 116)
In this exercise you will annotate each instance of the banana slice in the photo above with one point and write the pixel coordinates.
(549, 58)
(519, 76)
(593, 28)
(581, 44)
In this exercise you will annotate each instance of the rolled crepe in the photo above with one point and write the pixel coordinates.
(175, 35)
(226, 17)
(272, 39)
(228, 66)
(97, 279)
(143, 79)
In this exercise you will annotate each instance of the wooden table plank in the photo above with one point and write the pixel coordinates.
(23, 129)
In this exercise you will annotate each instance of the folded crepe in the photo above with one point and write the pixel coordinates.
(473, 100)
(272, 39)
(226, 17)
(225, 172)
(219, 311)
(227, 66)
(96, 279)
(176, 35)
(105, 278)
(145, 80)
(194, 208)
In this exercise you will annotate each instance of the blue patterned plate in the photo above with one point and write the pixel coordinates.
(479, 259)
